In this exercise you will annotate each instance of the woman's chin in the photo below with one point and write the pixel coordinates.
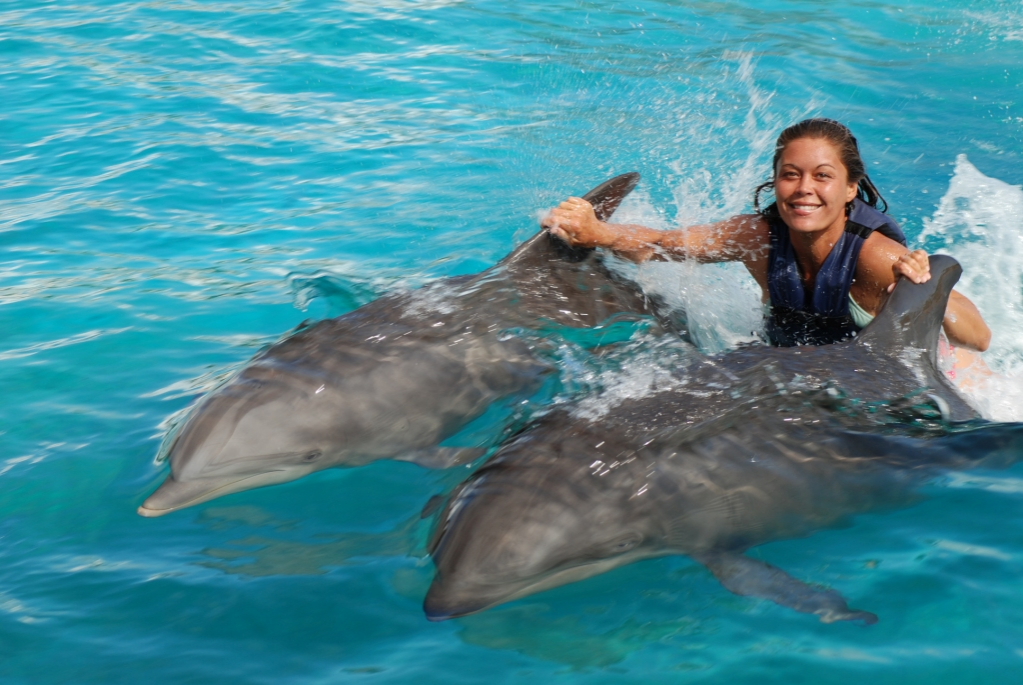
(808, 224)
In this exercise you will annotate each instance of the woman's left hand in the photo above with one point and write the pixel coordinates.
(913, 265)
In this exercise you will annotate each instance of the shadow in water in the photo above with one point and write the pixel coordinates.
(261, 555)
(531, 631)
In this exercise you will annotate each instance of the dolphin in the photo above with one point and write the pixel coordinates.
(395, 378)
(762, 444)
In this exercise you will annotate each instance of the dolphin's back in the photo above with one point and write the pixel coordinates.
(397, 377)
(755, 445)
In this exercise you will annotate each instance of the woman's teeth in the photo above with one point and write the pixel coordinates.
(805, 208)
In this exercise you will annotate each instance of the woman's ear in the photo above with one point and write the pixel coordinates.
(850, 191)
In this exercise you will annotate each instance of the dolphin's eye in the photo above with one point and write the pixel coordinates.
(312, 456)
(625, 543)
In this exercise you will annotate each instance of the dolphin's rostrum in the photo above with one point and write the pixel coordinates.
(758, 445)
(396, 377)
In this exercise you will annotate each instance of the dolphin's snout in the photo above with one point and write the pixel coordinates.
(436, 614)
(441, 604)
(150, 513)
(174, 494)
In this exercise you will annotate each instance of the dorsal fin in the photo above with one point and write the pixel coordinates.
(912, 316)
(605, 199)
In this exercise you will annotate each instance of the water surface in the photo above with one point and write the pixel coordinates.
(173, 173)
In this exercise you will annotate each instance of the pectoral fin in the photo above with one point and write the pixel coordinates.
(752, 578)
(431, 506)
(443, 457)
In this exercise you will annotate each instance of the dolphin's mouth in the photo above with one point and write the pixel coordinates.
(444, 601)
(173, 495)
(438, 608)
(255, 464)
(450, 598)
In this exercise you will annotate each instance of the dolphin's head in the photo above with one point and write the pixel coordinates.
(517, 528)
(269, 425)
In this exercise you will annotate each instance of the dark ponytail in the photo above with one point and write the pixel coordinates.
(844, 141)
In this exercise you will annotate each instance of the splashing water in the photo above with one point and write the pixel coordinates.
(721, 303)
(978, 223)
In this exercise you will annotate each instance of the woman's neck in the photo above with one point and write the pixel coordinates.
(813, 248)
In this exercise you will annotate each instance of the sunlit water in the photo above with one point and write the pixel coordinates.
(183, 182)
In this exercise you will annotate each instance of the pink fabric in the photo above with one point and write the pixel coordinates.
(946, 357)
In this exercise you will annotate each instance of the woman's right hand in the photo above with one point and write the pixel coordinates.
(574, 222)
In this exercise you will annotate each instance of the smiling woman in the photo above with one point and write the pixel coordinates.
(823, 253)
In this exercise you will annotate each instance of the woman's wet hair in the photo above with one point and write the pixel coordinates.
(844, 141)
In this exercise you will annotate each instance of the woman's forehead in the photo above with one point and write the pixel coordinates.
(811, 152)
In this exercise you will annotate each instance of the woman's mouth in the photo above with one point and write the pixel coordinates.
(803, 208)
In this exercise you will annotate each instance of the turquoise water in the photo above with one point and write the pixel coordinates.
(172, 174)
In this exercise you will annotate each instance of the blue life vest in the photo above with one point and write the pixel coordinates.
(820, 317)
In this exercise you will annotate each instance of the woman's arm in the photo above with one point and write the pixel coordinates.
(741, 238)
(964, 325)
(882, 261)
(575, 222)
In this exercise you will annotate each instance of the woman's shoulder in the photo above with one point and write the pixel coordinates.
(865, 219)
(878, 254)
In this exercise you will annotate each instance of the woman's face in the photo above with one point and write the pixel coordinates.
(812, 186)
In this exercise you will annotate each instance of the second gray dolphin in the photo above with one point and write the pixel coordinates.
(395, 378)
(758, 445)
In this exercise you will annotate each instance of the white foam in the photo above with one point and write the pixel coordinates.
(979, 221)
(440, 299)
(972, 481)
(633, 370)
(966, 549)
(637, 378)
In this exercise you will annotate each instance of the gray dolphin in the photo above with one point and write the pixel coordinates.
(394, 378)
(761, 444)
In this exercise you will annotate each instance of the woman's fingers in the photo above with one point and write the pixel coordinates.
(559, 234)
(571, 221)
(913, 265)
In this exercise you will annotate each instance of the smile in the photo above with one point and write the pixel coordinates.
(804, 209)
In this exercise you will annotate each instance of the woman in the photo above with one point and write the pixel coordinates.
(823, 253)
